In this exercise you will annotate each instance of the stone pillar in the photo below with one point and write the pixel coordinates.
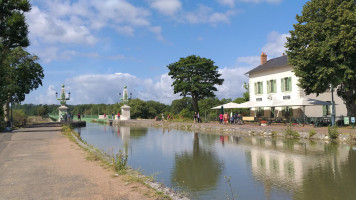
(125, 112)
(62, 110)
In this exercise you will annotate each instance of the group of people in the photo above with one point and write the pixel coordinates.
(168, 117)
(233, 119)
(66, 117)
(112, 115)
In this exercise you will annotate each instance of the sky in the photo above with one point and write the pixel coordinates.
(96, 47)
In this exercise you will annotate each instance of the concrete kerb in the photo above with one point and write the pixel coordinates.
(156, 186)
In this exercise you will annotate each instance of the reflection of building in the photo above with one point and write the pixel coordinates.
(284, 163)
(125, 136)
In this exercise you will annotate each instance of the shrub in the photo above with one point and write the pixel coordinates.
(333, 132)
(312, 133)
(18, 117)
(119, 162)
(289, 132)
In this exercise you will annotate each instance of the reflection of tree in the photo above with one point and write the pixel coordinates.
(198, 170)
(138, 132)
(330, 180)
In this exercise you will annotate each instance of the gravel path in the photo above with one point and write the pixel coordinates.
(41, 163)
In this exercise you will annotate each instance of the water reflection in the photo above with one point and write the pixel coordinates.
(260, 168)
(293, 164)
(197, 170)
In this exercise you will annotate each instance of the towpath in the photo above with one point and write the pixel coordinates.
(41, 163)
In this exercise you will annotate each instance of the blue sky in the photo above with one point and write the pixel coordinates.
(96, 47)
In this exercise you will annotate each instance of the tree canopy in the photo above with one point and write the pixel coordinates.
(196, 77)
(322, 47)
(22, 75)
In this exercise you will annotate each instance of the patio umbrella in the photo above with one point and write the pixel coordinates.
(222, 109)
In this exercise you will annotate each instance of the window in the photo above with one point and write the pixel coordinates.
(271, 86)
(326, 110)
(258, 87)
(286, 84)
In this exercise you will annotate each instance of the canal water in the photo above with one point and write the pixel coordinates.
(210, 166)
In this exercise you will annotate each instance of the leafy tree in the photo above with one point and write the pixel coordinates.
(195, 76)
(179, 104)
(322, 47)
(139, 109)
(13, 33)
(42, 111)
(22, 75)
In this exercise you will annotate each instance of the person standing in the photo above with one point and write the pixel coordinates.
(118, 115)
(112, 116)
(79, 116)
(195, 117)
(221, 117)
(198, 116)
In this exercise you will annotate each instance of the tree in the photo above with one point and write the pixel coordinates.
(195, 76)
(13, 30)
(13, 33)
(322, 47)
(179, 104)
(22, 75)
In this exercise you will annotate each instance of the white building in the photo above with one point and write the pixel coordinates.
(275, 81)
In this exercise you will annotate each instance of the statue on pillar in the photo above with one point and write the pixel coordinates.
(125, 96)
(63, 100)
(125, 109)
(63, 109)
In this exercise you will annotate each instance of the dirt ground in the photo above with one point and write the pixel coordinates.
(41, 163)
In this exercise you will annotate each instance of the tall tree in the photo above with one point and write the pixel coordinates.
(22, 75)
(195, 76)
(322, 47)
(13, 33)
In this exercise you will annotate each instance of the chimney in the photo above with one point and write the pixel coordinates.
(263, 58)
(283, 54)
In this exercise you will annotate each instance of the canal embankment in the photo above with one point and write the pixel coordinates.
(344, 134)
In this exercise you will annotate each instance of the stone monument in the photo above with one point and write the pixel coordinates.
(63, 109)
(125, 109)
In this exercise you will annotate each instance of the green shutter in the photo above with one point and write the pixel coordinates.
(324, 111)
(290, 84)
(261, 88)
(268, 87)
(282, 84)
(274, 85)
(255, 88)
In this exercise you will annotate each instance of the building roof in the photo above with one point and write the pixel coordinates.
(270, 64)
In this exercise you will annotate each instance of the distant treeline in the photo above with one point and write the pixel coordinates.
(181, 108)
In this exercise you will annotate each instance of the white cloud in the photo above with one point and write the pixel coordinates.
(166, 7)
(234, 79)
(229, 3)
(205, 14)
(250, 60)
(275, 44)
(48, 98)
(45, 27)
(125, 30)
